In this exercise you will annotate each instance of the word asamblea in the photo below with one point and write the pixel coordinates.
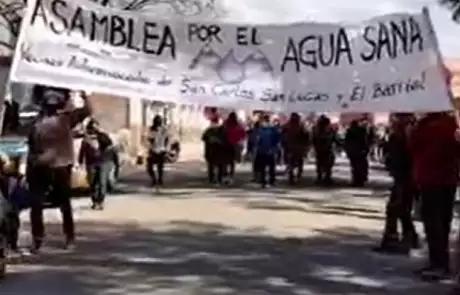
(115, 30)
(390, 39)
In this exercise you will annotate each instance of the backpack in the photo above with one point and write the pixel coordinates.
(18, 193)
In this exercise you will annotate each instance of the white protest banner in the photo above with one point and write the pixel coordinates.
(386, 64)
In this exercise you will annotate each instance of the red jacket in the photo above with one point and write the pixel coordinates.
(235, 133)
(435, 152)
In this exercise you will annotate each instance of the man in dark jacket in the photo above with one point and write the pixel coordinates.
(400, 203)
(324, 141)
(295, 144)
(435, 155)
(51, 156)
(214, 138)
(357, 149)
(97, 154)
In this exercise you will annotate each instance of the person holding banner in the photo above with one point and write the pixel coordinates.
(398, 162)
(51, 156)
(435, 153)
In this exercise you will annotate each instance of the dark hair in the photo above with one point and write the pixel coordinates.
(232, 119)
(295, 118)
(39, 98)
(157, 121)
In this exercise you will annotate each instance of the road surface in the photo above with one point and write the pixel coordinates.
(192, 239)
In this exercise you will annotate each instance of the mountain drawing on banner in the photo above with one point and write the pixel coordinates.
(206, 57)
(231, 70)
(257, 63)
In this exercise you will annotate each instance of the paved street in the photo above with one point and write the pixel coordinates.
(191, 239)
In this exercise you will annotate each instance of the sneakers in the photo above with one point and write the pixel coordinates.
(392, 246)
(97, 206)
(434, 274)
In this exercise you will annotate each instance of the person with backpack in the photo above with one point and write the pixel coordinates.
(214, 142)
(97, 153)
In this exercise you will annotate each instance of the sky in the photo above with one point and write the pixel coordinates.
(448, 32)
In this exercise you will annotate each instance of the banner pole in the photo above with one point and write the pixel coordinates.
(440, 60)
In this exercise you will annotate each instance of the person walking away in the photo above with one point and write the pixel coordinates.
(214, 141)
(158, 141)
(295, 141)
(252, 136)
(400, 202)
(435, 154)
(267, 143)
(51, 156)
(97, 153)
(235, 134)
(324, 139)
(357, 149)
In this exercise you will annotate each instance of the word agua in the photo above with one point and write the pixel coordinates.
(118, 31)
(382, 40)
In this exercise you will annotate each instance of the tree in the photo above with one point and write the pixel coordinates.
(454, 7)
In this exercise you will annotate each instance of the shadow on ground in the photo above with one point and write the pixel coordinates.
(192, 175)
(211, 259)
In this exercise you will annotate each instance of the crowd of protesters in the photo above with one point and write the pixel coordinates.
(266, 143)
(421, 154)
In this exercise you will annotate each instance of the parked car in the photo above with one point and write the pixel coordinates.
(13, 145)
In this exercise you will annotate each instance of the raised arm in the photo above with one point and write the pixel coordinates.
(76, 116)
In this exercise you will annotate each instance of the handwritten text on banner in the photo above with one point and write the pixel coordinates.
(386, 64)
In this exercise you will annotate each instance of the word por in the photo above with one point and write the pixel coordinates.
(118, 31)
(204, 33)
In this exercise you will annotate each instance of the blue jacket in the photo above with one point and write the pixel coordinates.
(267, 139)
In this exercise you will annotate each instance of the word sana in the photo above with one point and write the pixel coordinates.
(118, 31)
(382, 40)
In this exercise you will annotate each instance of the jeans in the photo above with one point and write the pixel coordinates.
(295, 161)
(437, 213)
(156, 161)
(359, 169)
(399, 207)
(324, 163)
(264, 161)
(55, 183)
(212, 169)
(98, 176)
